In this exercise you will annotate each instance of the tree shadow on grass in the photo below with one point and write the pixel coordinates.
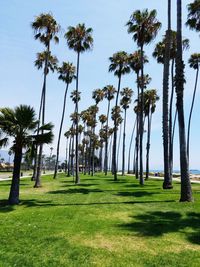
(158, 223)
(136, 194)
(5, 207)
(75, 191)
(82, 185)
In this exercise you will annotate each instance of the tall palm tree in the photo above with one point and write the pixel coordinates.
(20, 123)
(79, 39)
(135, 65)
(194, 62)
(66, 74)
(109, 92)
(98, 96)
(126, 94)
(160, 55)
(120, 66)
(186, 191)
(41, 62)
(103, 120)
(144, 26)
(193, 19)
(45, 30)
(150, 98)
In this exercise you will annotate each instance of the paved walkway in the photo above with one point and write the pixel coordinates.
(5, 177)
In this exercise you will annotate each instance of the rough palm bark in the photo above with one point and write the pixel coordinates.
(186, 191)
(167, 184)
(14, 190)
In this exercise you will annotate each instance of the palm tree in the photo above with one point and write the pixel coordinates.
(109, 92)
(79, 39)
(150, 98)
(144, 26)
(160, 54)
(186, 191)
(120, 66)
(135, 65)
(193, 20)
(20, 124)
(45, 29)
(194, 62)
(66, 74)
(103, 120)
(126, 94)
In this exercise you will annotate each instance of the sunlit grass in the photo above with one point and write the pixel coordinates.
(99, 223)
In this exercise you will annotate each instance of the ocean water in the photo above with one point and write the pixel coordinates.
(178, 171)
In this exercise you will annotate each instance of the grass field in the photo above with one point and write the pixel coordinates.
(99, 223)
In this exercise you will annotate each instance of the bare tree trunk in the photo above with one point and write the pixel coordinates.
(114, 154)
(106, 144)
(167, 184)
(77, 180)
(119, 142)
(130, 146)
(14, 189)
(186, 191)
(60, 131)
(149, 119)
(190, 116)
(124, 144)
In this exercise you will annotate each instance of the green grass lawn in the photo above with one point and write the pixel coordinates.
(99, 223)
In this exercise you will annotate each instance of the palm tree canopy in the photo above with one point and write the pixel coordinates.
(116, 115)
(193, 19)
(194, 61)
(159, 51)
(126, 94)
(102, 118)
(135, 61)
(75, 96)
(20, 123)
(150, 99)
(109, 92)
(144, 26)
(98, 95)
(67, 72)
(42, 58)
(119, 63)
(45, 28)
(79, 38)
(146, 81)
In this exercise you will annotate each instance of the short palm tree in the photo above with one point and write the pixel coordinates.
(79, 39)
(109, 92)
(66, 74)
(144, 26)
(194, 62)
(126, 94)
(120, 66)
(20, 124)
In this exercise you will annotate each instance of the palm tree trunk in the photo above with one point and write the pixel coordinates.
(124, 145)
(14, 189)
(66, 154)
(106, 144)
(167, 184)
(119, 142)
(60, 131)
(170, 122)
(186, 191)
(77, 180)
(190, 116)
(149, 119)
(141, 125)
(114, 154)
(130, 146)
(39, 165)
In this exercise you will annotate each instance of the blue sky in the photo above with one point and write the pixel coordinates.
(20, 82)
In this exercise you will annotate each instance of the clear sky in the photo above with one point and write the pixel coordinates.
(21, 82)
